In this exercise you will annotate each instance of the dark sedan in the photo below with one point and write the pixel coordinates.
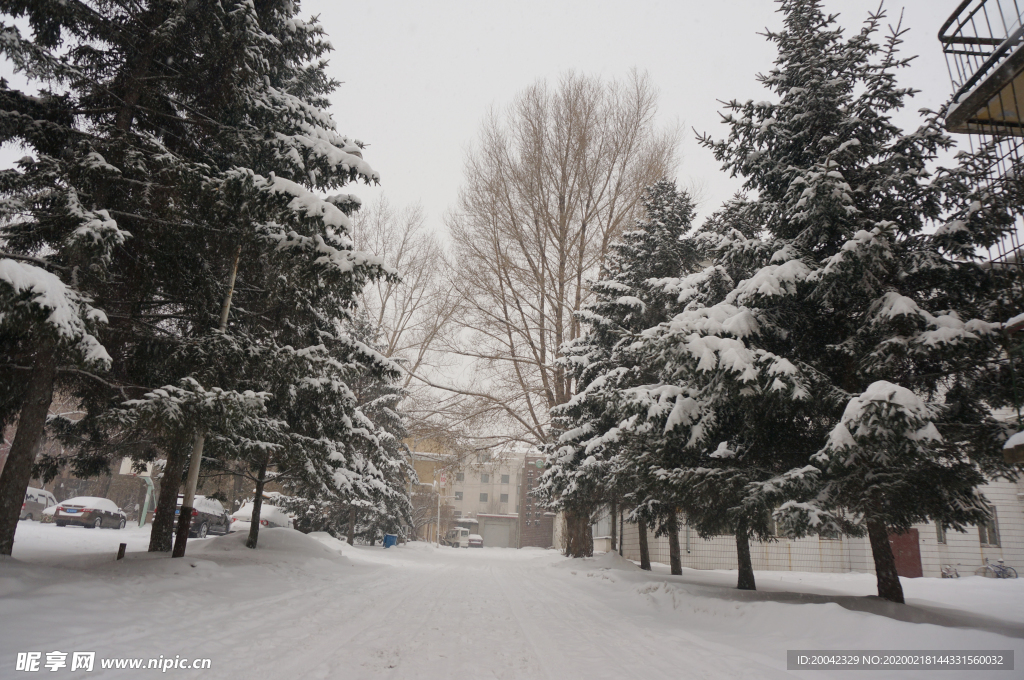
(208, 517)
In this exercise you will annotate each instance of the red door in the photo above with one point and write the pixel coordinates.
(906, 548)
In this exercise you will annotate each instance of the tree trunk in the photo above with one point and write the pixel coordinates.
(645, 553)
(257, 504)
(181, 532)
(889, 587)
(162, 533)
(622, 522)
(615, 534)
(352, 525)
(579, 542)
(17, 472)
(674, 558)
(745, 579)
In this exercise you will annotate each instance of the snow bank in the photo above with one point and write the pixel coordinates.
(330, 542)
(295, 543)
(608, 561)
(286, 611)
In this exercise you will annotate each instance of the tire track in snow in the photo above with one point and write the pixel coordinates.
(618, 640)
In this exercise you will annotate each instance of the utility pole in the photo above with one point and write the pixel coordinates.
(185, 515)
(439, 483)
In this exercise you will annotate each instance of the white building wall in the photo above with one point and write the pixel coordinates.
(471, 486)
(966, 549)
(853, 554)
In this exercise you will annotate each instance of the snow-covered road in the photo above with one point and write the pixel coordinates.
(299, 608)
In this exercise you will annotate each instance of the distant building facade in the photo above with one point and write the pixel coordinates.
(536, 525)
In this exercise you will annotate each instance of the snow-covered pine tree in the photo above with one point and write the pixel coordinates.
(587, 463)
(211, 127)
(56, 250)
(378, 396)
(863, 271)
(377, 468)
(716, 418)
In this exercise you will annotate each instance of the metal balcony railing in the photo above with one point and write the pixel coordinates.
(982, 42)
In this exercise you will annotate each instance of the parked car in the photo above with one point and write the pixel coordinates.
(476, 541)
(270, 516)
(90, 512)
(208, 517)
(36, 500)
(457, 537)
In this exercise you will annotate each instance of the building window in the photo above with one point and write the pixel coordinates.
(940, 534)
(504, 479)
(485, 478)
(460, 477)
(458, 495)
(458, 513)
(989, 532)
(504, 498)
(483, 498)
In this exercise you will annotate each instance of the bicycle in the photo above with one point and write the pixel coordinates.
(998, 570)
(949, 571)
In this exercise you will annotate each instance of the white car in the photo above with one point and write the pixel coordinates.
(458, 537)
(90, 512)
(270, 516)
(46, 517)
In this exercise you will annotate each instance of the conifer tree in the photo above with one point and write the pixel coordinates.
(586, 464)
(205, 128)
(861, 270)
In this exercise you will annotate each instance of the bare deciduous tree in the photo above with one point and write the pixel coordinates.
(414, 315)
(553, 180)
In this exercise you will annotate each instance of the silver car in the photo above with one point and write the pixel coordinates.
(36, 500)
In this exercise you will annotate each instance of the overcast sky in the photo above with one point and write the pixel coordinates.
(420, 76)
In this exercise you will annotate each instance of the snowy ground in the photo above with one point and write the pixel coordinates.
(299, 608)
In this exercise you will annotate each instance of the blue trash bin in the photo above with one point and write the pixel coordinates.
(390, 540)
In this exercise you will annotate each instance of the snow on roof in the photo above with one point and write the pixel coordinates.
(481, 514)
(1015, 440)
(266, 512)
(91, 502)
(426, 455)
(467, 520)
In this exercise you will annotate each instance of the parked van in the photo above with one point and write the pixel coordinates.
(36, 500)
(458, 538)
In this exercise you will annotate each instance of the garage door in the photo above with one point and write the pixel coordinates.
(496, 535)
